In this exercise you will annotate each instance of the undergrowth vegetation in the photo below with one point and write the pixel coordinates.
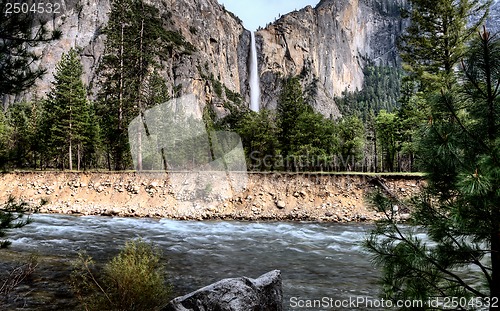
(133, 280)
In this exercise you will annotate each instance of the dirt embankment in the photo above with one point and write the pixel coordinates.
(267, 196)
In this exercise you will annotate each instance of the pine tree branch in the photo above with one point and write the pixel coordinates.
(436, 264)
(472, 79)
(423, 274)
(460, 123)
(475, 260)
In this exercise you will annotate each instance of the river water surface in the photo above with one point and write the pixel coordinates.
(316, 259)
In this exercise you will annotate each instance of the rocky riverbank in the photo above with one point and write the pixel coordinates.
(266, 196)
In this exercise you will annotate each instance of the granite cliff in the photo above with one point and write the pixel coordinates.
(219, 38)
(493, 24)
(327, 46)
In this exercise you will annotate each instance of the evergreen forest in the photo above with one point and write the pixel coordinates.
(377, 131)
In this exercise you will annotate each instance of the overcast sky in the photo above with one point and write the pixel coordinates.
(255, 13)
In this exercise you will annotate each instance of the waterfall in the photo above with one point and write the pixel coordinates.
(254, 76)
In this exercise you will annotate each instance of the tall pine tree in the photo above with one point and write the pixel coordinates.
(459, 209)
(290, 106)
(259, 134)
(431, 49)
(67, 111)
(388, 137)
(24, 119)
(5, 133)
(135, 45)
(351, 134)
(435, 41)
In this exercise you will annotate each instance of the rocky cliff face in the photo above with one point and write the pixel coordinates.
(81, 25)
(221, 46)
(328, 47)
(493, 24)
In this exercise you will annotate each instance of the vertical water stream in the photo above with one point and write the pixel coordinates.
(254, 76)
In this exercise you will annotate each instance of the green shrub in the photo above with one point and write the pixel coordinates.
(133, 280)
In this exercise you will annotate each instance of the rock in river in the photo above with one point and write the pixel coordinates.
(238, 294)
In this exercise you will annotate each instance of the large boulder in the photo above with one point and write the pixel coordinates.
(238, 294)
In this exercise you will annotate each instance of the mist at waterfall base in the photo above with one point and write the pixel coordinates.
(254, 75)
(316, 259)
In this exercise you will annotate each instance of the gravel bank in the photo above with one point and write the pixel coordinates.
(266, 196)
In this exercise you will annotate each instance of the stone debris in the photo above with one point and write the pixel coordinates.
(277, 196)
(281, 204)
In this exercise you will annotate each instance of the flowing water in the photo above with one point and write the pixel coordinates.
(316, 259)
(254, 76)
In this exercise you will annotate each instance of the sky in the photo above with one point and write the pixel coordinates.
(255, 13)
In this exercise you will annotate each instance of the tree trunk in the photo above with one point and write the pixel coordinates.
(164, 159)
(141, 81)
(70, 151)
(79, 158)
(70, 155)
(399, 162)
(139, 152)
(375, 151)
(410, 169)
(120, 107)
(108, 160)
(70, 135)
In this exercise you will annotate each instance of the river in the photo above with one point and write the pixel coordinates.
(316, 259)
